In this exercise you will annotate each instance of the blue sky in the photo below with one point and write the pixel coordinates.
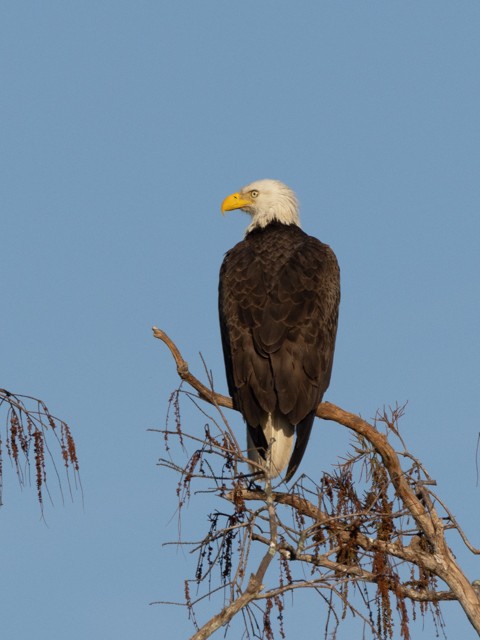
(123, 126)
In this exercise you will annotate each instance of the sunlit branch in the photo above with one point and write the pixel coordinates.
(365, 544)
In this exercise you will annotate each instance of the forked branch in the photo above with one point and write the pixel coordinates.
(351, 538)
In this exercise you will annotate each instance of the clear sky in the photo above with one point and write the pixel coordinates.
(123, 126)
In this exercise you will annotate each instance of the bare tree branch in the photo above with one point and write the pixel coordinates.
(382, 537)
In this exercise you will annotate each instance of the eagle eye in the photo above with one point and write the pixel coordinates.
(254, 193)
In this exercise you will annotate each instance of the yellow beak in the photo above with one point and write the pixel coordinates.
(234, 201)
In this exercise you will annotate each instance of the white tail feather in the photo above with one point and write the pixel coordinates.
(279, 434)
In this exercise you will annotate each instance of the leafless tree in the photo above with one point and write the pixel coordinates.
(30, 428)
(369, 539)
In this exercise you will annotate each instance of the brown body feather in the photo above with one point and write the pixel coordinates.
(278, 302)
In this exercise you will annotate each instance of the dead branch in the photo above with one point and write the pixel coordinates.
(182, 369)
(346, 531)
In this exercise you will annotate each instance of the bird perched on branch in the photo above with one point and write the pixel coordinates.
(278, 302)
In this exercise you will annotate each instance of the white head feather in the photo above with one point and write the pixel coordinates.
(266, 201)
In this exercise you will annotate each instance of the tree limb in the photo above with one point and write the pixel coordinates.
(435, 555)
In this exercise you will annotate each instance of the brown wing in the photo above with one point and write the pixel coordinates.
(303, 429)
(241, 297)
(279, 296)
(303, 312)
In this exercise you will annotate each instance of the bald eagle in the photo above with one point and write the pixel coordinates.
(278, 302)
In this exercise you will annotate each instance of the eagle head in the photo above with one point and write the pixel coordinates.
(266, 201)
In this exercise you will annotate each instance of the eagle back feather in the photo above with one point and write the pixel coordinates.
(278, 302)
